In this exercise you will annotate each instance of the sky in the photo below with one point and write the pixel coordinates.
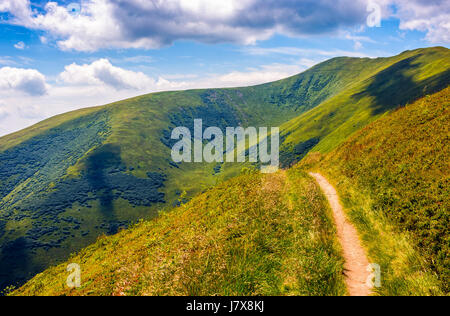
(60, 56)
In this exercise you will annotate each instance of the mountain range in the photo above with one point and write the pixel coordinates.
(97, 171)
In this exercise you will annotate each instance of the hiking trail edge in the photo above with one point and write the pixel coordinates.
(356, 265)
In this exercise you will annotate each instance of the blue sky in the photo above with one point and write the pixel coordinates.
(63, 55)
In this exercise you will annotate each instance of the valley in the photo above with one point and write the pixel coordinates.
(95, 172)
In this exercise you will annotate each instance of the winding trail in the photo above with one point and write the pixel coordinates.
(356, 262)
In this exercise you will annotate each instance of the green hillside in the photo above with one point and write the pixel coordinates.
(381, 86)
(393, 177)
(253, 235)
(273, 234)
(74, 177)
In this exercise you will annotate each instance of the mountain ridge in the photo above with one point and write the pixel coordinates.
(273, 234)
(78, 175)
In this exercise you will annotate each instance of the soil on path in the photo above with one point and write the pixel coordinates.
(356, 262)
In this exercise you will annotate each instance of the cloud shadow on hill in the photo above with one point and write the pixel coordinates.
(395, 86)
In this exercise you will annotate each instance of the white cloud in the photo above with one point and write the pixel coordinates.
(102, 72)
(3, 111)
(20, 8)
(20, 45)
(263, 74)
(430, 16)
(16, 61)
(28, 81)
(100, 82)
(358, 45)
(26, 98)
(7, 61)
(139, 59)
(20, 90)
(152, 24)
(317, 54)
(180, 76)
(359, 38)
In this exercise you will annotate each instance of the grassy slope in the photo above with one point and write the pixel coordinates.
(393, 177)
(381, 86)
(349, 90)
(38, 226)
(254, 235)
(14, 139)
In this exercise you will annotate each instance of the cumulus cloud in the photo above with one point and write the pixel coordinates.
(155, 23)
(28, 81)
(430, 16)
(26, 98)
(152, 24)
(3, 111)
(19, 8)
(239, 21)
(102, 72)
(23, 103)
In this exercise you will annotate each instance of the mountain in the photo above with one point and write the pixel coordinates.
(381, 86)
(273, 234)
(253, 235)
(74, 177)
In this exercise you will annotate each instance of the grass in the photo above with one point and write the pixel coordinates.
(382, 85)
(14, 139)
(393, 179)
(254, 235)
(317, 109)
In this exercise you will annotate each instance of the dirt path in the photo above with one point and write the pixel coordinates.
(356, 261)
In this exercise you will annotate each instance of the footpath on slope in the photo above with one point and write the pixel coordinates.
(356, 262)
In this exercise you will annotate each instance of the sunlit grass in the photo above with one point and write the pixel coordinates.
(253, 235)
(394, 182)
